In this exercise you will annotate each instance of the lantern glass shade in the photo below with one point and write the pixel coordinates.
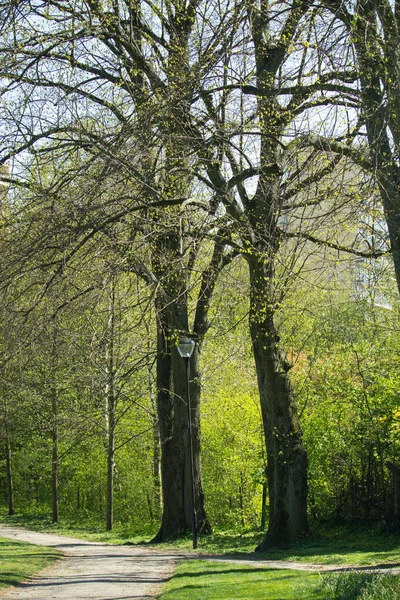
(186, 347)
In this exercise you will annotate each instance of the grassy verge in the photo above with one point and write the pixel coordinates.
(342, 545)
(357, 585)
(19, 561)
(201, 580)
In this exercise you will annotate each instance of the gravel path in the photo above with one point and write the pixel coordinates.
(91, 570)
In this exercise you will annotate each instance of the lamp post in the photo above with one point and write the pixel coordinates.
(185, 349)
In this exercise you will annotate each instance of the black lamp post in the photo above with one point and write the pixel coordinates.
(185, 349)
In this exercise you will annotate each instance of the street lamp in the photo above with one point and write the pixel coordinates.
(185, 349)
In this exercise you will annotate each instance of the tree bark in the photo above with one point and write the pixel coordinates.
(173, 522)
(286, 456)
(172, 411)
(172, 268)
(156, 500)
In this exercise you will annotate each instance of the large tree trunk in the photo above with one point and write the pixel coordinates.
(172, 269)
(286, 456)
(172, 453)
(175, 453)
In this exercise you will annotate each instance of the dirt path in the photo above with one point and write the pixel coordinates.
(90, 570)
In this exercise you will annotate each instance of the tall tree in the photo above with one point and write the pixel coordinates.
(143, 139)
(372, 31)
(139, 108)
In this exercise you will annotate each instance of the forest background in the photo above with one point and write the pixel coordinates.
(223, 170)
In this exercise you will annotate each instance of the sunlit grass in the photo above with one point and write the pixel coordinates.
(342, 545)
(19, 561)
(201, 580)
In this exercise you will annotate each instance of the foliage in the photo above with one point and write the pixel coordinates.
(345, 366)
(232, 444)
(146, 142)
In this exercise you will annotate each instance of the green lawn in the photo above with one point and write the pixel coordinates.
(19, 561)
(343, 545)
(202, 580)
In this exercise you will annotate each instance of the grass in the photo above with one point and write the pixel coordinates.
(18, 561)
(357, 585)
(201, 580)
(342, 545)
(345, 545)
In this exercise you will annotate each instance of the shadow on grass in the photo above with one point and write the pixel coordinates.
(27, 556)
(328, 540)
(8, 579)
(236, 571)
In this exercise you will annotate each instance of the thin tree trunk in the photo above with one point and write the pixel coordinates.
(54, 429)
(110, 478)
(110, 411)
(10, 488)
(54, 474)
